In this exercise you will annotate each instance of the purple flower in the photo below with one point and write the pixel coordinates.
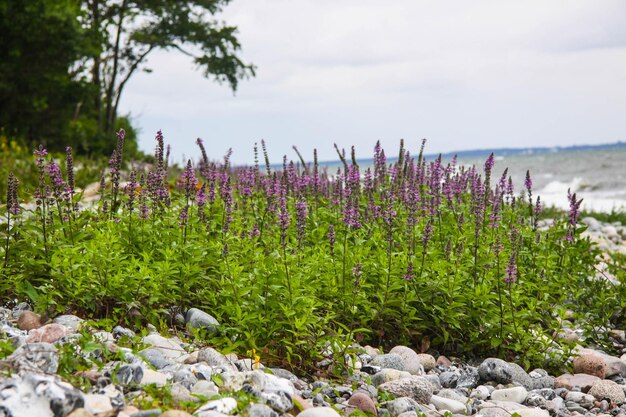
(528, 182)
(183, 218)
(255, 230)
(40, 153)
(226, 193)
(331, 239)
(489, 163)
(409, 276)
(131, 189)
(574, 211)
(511, 270)
(189, 181)
(12, 200)
(301, 212)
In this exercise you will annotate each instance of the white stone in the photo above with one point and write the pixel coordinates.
(97, 403)
(169, 347)
(319, 412)
(223, 405)
(532, 412)
(153, 377)
(515, 394)
(453, 406)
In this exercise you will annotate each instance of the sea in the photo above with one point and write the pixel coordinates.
(596, 173)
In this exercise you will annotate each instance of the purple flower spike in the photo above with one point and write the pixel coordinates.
(528, 182)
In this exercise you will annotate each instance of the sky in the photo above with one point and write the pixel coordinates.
(462, 74)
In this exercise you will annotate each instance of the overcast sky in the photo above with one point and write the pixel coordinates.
(463, 74)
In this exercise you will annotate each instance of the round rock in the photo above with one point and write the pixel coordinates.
(363, 402)
(608, 390)
(197, 318)
(415, 387)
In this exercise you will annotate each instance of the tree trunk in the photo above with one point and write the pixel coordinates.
(97, 63)
(111, 108)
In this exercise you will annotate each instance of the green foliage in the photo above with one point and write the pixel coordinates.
(61, 85)
(39, 93)
(445, 273)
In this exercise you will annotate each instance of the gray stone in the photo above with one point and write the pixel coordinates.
(401, 405)
(481, 392)
(119, 332)
(452, 395)
(468, 378)
(35, 357)
(129, 374)
(582, 399)
(169, 347)
(156, 357)
(415, 387)
(185, 377)
(448, 379)
(494, 369)
(204, 388)
(180, 393)
(388, 361)
(33, 395)
(534, 399)
(18, 309)
(113, 393)
(434, 381)
(427, 361)
(197, 318)
(214, 358)
(411, 360)
(279, 401)
(72, 322)
(515, 394)
(386, 375)
(261, 410)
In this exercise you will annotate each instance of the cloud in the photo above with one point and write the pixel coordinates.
(465, 74)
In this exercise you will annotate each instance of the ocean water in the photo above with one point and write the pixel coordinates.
(596, 175)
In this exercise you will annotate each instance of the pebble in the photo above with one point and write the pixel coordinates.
(319, 412)
(443, 404)
(411, 361)
(389, 361)
(580, 381)
(515, 394)
(363, 402)
(415, 387)
(411, 383)
(196, 318)
(28, 321)
(608, 390)
(71, 322)
(49, 333)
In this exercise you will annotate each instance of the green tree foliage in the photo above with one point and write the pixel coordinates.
(39, 93)
(126, 32)
(65, 63)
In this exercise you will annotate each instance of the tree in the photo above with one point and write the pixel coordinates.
(41, 41)
(123, 33)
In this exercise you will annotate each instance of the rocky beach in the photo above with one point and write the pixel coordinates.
(125, 372)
